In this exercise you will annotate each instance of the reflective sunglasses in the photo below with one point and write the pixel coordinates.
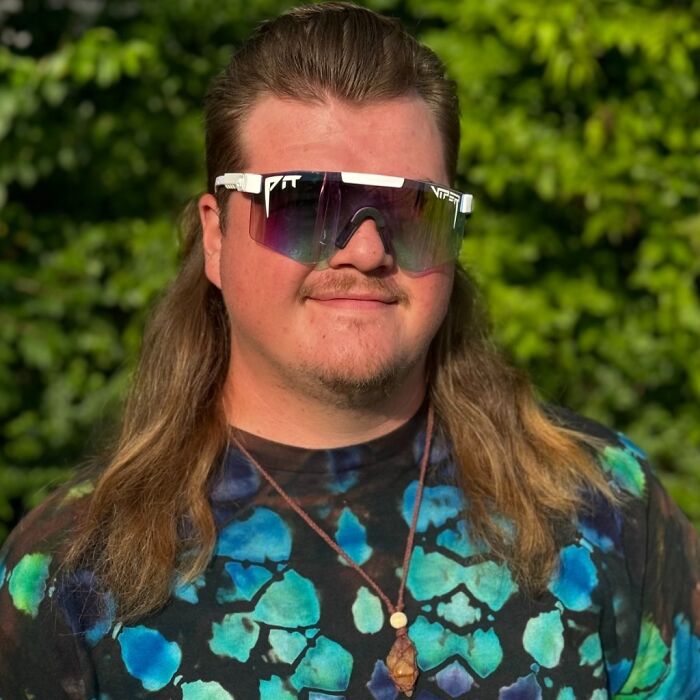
(307, 216)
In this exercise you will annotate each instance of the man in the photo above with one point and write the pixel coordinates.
(328, 484)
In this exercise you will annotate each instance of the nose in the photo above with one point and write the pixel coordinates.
(362, 243)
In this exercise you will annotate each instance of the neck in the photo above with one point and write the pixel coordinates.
(272, 410)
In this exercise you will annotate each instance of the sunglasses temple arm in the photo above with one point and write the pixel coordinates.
(250, 183)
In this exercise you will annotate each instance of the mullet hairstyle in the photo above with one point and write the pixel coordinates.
(148, 524)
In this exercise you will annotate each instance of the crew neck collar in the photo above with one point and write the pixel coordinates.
(276, 456)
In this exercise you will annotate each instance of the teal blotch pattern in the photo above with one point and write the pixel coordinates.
(204, 690)
(597, 539)
(234, 636)
(490, 583)
(351, 536)
(247, 580)
(457, 540)
(189, 592)
(291, 602)
(684, 673)
(573, 584)
(265, 619)
(590, 651)
(274, 688)
(263, 536)
(458, 610)
(326, 666)
(439, 504)
(100, 628)
(435, 644)
(433, 574)
(148, 656)
(286, 646)
(632, 447)
(367, 612)
(544, 638)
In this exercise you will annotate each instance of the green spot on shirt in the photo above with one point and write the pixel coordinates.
(625, 470)
(650, 664)
(28, 582)
(76, 492)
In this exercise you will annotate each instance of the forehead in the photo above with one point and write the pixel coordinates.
(394, 137)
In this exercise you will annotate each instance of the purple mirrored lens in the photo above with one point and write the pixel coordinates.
(285, 215)
(421, 230)
(302, 216)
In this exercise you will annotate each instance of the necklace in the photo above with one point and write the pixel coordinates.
(401, 660)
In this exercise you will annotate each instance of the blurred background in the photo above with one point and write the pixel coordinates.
(581, 144)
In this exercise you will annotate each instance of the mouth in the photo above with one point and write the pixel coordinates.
(354, 301)
(332, 295)
(350, 292)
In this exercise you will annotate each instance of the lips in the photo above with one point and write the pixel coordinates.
(354, 297)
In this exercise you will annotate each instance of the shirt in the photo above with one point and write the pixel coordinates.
(278, 615)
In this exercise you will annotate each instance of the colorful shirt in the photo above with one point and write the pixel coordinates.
(277, 615)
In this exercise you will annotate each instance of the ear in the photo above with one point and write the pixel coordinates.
(212, 237)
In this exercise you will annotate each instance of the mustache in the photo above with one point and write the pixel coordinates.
(340, 283)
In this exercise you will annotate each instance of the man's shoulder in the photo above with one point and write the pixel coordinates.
(41, 536)
(624, 463)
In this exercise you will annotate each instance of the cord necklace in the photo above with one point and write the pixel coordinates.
(401, 660)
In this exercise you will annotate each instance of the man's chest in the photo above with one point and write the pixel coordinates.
(278, 616)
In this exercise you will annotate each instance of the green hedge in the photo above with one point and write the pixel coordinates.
(580, 142)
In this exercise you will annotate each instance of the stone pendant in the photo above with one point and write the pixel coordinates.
(401, 663)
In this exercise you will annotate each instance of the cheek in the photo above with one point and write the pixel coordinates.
(258, 284)
(431, 296)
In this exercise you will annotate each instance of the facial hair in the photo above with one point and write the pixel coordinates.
(337, 385)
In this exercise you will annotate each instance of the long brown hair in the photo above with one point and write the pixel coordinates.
(148, 521)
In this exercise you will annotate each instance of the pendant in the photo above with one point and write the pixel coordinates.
(401, 663)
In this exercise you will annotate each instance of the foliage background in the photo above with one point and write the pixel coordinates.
(580, 142)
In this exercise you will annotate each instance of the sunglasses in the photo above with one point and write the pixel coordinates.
(307, 216)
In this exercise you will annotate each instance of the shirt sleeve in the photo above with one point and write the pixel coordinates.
(667, 659)
(41, 657)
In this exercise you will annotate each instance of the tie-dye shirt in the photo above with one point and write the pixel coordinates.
(278, 615)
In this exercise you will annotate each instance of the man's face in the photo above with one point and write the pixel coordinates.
(360, 327)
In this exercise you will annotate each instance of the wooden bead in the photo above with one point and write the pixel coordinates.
(398, 620)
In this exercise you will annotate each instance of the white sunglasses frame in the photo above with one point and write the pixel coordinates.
(251, 183)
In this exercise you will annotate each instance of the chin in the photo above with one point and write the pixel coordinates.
(355, 386)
